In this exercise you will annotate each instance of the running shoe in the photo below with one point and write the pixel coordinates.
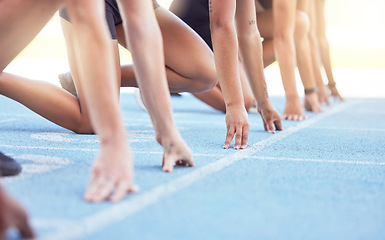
(67, 83)
(8, 166)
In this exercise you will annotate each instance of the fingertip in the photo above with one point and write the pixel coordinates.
(167, 169)
(134, 189)
(244, 146)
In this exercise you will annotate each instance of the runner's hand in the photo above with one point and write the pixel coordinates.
(270, 118)
(237, 124)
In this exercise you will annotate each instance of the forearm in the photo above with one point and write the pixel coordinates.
(97, 73)
(251, 55)
(146, 43)
(316, 65)
(226, 61)
(285, 54)
(325, 58)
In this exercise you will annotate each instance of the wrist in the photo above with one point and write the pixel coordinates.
(309, 91)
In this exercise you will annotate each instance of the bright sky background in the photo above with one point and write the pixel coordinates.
(356, 33)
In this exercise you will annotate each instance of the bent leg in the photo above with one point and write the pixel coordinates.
(189, 62)
(47, 100)
(22, 18)
(265, 23)
(214, 97)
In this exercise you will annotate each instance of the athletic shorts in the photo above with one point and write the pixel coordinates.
(194, 13)
(266, 4)
(113, 16)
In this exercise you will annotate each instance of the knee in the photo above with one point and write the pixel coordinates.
(302, 25)
(83, 126)
(208, 77)
(82, 11)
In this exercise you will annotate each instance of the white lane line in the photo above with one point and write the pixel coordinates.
(352, 129)
(38, 164)
(8, 120)
(95, 150)
(49, 148)
(319, 160)
(136, 203)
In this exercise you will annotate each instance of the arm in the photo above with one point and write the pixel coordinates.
(225, 44)
(304, 60)
(250, 47)
(323, 93)
(284, 23)
(145, 41)
(112, 172)
(324, 47)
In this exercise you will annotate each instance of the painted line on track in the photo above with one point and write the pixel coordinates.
(351, 129)
(8, 120)
(319, 160)
(136, 203)
(49, 148)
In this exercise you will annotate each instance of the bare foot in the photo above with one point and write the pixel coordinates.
(12, 214)
(67, 83)
(293, 109)
(112, 174)
(311, 103)
(176, 152)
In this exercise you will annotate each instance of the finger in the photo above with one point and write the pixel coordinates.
(238, 138)
(270, 126)
(284, 117)
(278, 125)
(104, 191)
(91, 190)
(168, 165)
(133, 189)
(120, 191)
(25, 228)
(301, 117)
(100, 189)
(295, 118)
(229, 137)
(264, 124)
(180, 163)
(327, 102)
(189, 160)
(245, 136)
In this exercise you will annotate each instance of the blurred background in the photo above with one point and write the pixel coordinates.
(355, 29)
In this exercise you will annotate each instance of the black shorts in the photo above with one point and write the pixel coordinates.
(266, 4)
(113, 16)
(194, 13)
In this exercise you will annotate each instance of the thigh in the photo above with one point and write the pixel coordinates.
(195, 13)
(74, 65)
(20, 22)
(265, 22)
(184, 49)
